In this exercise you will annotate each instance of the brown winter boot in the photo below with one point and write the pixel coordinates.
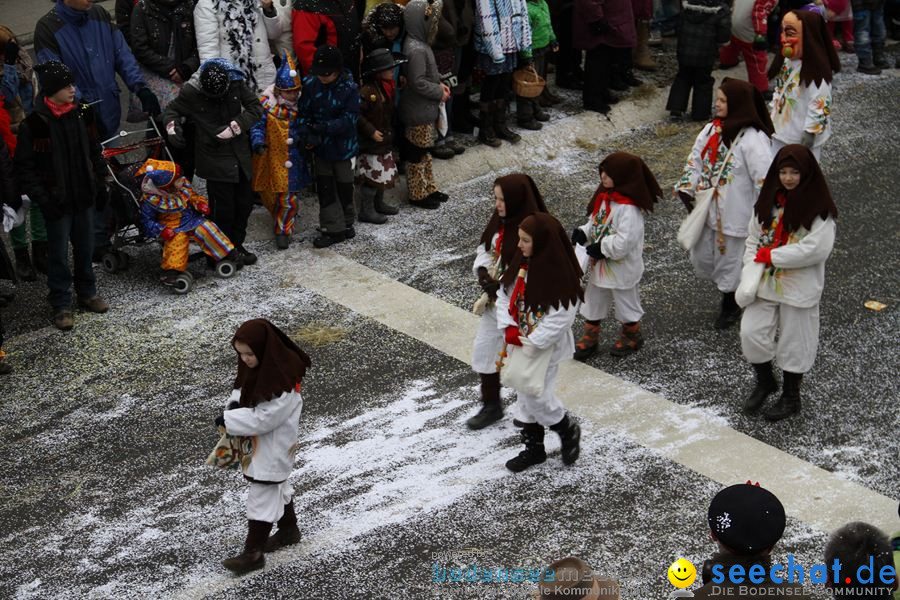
(288, 533)
(252, 558)
(630, 340)
(643, 60)
(587, 345)
(491, 409)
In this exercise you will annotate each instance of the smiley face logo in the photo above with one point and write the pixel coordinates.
(682, 573)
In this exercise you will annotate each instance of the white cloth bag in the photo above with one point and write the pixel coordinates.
(525, 367)
(692, 226)
(750, 277)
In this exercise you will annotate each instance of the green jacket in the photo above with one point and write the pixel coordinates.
(541, 29)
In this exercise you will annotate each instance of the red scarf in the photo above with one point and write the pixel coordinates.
(388, 86)
(712, 145)
(604, 196)
(781, 236)
(58, 110)
(499, 243)
(518, 291)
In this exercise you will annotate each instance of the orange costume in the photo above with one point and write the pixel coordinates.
(171, 210)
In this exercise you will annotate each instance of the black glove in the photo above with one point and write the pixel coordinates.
(525, 61)
(260, 149)
(760, 43)
(578, 237)
(15, 202)
(51, 211)
(233, 405)
(220, 420)
(594, 251)
(488, 283)
(687, 200)
(12, 52)
(185, 71)
(554, 46)
(102, 196)
(177, 138)
(599, 27)
(149, 103)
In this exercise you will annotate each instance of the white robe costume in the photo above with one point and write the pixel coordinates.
(729, 212)
(613, 280)
(787, 299)
(488, 339)
(274, 426)
(798, 108)
(550, 330)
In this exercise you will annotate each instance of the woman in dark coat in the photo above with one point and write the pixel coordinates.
(605, 29)
(218, 102)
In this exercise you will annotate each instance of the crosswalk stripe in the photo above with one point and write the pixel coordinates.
(687, 435)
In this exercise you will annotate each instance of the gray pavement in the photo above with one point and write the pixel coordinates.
(105, 428)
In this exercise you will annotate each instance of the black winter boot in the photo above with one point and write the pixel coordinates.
(729, 313)
(491, 409)
(39, 256)
(486, 133)
(629, 78)
(534, 454)
(367, 212)
(500, 126)
(288, 533)
(570, 435)
(252, 558)
(765, 385)
(525, 114)
(461, 114)
(789, 402)
(382, 206)
(24, 270)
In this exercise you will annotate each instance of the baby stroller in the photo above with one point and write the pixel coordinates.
(123, 161)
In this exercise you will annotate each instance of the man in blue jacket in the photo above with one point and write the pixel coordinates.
(82, 36)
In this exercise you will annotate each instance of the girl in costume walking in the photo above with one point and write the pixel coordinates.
(280, 171)
(731, 155)
(265, 405)
(613, 238)
(538, 296)
(792, 234)
(801, 104)
(515, 197)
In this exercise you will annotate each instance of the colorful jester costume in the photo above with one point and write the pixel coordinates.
(171, 210)
(279, 165)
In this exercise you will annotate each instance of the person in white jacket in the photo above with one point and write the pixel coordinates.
(731, 156)
(515, 197)
(537, 299)
(239, 31)
(265, 406)
(801, 103)
(791, 234)
(613, 239)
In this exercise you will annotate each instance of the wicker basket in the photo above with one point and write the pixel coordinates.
(527, 83)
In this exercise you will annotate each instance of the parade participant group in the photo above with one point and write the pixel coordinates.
(348, 117)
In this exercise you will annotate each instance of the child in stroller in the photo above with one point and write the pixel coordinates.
(172, 211)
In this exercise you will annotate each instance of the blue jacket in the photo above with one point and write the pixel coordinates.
(89, 44)
(328, 115)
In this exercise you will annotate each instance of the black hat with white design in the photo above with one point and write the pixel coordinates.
(746, 518)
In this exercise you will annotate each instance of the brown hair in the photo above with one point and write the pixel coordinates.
(810, 199)
(746, 108)
(632, 178)
(820, 60)
(282, 363)
(522, 198)
(554, 275)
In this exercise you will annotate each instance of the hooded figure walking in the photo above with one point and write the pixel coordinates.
(265, 406)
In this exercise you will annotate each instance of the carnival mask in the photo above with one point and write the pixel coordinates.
(792, 36)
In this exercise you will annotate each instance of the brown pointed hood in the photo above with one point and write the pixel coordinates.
(811, 198)
(522, 198)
